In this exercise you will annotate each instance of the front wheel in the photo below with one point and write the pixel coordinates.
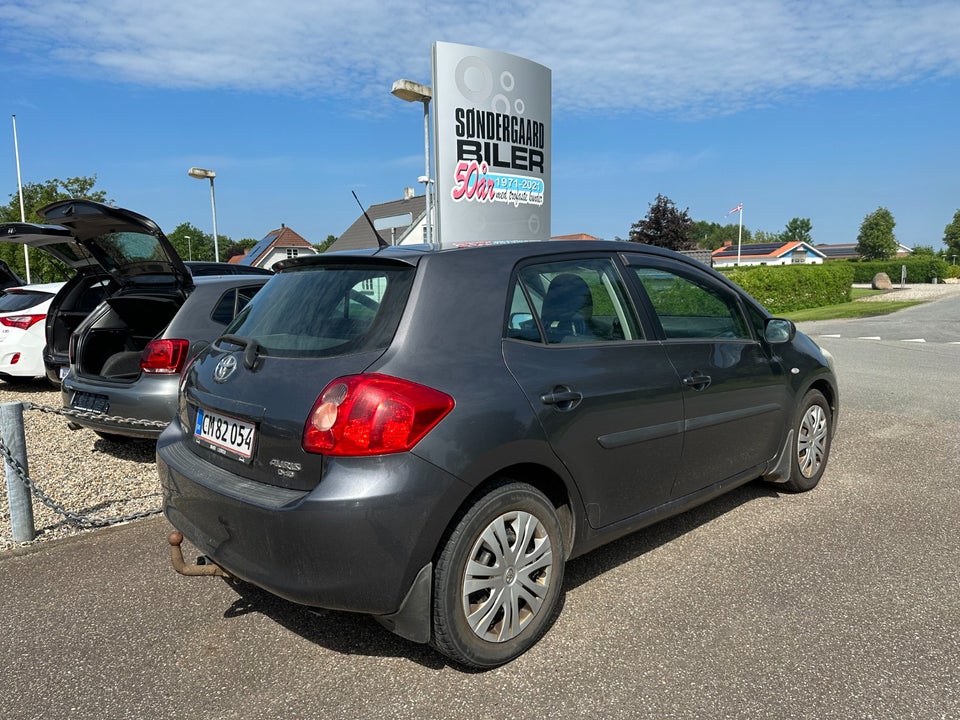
(498, 577)
(813, 431)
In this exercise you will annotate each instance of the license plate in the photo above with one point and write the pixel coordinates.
(90, 402)
(225, 435)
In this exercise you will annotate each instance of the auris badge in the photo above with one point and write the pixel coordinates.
(225, 368)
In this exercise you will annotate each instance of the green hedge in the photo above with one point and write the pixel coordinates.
(920, 269)
(785, 288)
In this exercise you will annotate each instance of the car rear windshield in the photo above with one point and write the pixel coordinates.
(326, 310)
(17, 300)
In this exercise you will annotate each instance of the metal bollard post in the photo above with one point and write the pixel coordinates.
(18, 494)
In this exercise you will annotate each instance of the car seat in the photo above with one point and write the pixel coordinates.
(568, 310)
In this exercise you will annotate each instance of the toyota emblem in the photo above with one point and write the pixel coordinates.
(225, 368)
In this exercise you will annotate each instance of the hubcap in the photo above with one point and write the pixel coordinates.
(508, 575)
(812, 440)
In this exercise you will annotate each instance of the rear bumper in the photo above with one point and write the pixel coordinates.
(20, 354)
(151, 400)
(356, 542)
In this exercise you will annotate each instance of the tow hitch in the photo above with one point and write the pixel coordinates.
(203, 567)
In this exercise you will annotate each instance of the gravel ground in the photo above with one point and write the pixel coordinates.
(914, 292)
(94, 477)
(87, 475)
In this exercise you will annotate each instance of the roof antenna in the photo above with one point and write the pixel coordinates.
(380, 241)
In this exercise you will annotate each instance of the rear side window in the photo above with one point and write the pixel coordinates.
(232, 302)
(572, 301)
(326, 310)
(21, 300)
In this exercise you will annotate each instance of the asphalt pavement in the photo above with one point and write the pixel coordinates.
(839, 603)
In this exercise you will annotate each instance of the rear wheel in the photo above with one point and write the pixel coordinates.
(498, 577)
(813, 430)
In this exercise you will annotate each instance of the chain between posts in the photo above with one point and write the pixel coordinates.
(84, 521)
(115, 419)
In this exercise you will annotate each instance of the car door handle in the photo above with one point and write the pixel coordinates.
(697, 381)
(563, 397)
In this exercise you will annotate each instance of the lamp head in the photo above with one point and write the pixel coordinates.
(201, 173)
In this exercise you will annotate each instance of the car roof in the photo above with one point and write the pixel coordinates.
(499, 252)
(231, 280)
(200, 268)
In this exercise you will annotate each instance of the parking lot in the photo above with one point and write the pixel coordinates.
(843, 602)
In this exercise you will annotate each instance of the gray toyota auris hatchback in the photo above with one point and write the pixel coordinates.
(428, 436)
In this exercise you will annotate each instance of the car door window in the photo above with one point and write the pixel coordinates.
(690, 308)
(571, 301)
(231, 303)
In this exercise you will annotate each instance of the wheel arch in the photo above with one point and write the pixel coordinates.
(830, 392)
(538, 476)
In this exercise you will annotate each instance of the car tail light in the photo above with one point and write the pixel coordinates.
(164, 357)
(372, 415)
(15, 359)
(21, 321)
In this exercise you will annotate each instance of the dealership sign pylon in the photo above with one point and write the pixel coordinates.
(491, 118)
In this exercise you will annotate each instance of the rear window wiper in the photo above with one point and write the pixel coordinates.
(251, 348)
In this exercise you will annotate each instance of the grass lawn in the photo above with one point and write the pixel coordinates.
(852, 309)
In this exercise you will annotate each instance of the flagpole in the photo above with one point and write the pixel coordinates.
(23, 216)
(740, 235)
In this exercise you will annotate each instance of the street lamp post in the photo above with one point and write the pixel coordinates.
(415, 92)
(189, 248)
(202, 174)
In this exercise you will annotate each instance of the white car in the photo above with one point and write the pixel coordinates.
(23, 311)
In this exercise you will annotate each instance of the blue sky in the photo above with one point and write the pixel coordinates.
(822, 110)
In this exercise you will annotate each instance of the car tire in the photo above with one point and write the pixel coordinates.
(813, 433)
(483, 619)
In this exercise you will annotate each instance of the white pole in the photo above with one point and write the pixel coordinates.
(213, 204)
(23, 215)
(740, 235)
(426, 168)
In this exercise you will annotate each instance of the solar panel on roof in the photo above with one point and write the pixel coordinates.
(259, 249)
(752, 249)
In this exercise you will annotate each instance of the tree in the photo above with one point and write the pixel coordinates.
(798, 229)
(36, 195)
(876, 240)
(711, 235)
(241, 247)
(43, 268)
(762, 236)
(190, 242)
(951, 236)
(325, 245)
(665, 226)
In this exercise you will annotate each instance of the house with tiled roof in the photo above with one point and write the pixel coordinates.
(276, 245)
(794, 252)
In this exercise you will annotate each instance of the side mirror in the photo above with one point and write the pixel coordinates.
(777, 331)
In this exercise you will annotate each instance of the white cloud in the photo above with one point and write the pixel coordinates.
(684, 56)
